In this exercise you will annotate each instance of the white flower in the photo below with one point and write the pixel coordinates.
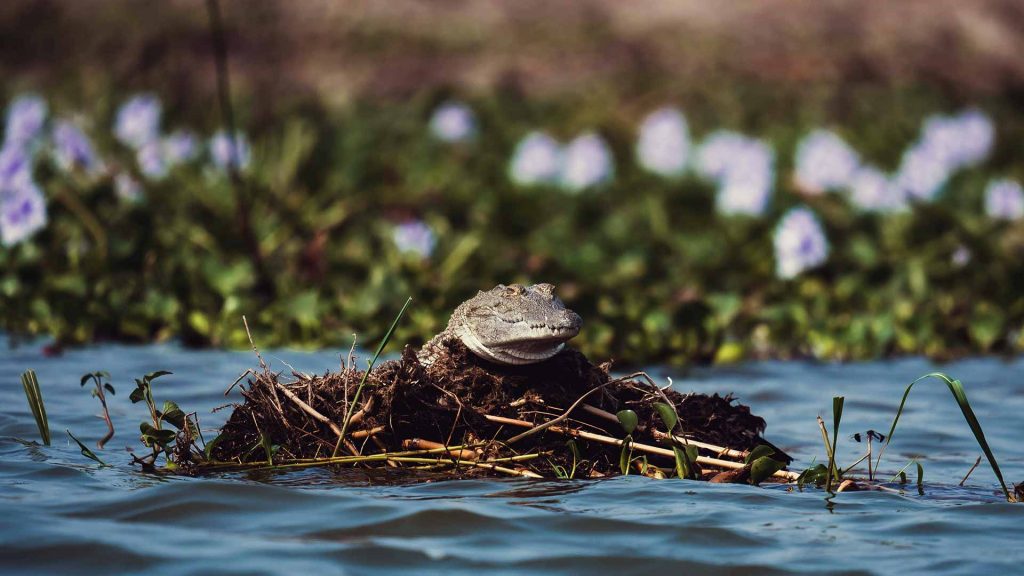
(873, 191)
(664, 143)
(414, 237)
(22, 213)
(922, 172)
(588, 162)
(747, 180)
(824, 161)
(127, 188)
(453, 122)
(1004, 200)
(224, 153)
(138, 120)
(716, 153)
(537, 159)
(800, 243)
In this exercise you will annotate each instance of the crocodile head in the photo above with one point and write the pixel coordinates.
(515, 324)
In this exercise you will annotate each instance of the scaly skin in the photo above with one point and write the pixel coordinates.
(510, 325)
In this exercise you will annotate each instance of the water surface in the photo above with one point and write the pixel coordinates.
(62, 513)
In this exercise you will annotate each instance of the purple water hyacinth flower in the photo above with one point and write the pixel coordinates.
(127, 188)
(923, 172)
(180, 147)
(224, 152)
(414, 237)
(537, 159)
(73, 150)
(151, 161)
(453, 122)
(824, 162)
(961, 256)
(959, 141)
(15, 166)
(22, 213)
(588, 162)
(747, 181)
(717, 151)
(873, 191)
(1004, 200)
(25, 117)
(800, 243)
(663, 146)
(138, 120)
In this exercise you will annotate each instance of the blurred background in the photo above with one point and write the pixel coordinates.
(705, 182)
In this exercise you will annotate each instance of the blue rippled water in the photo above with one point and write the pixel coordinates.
(61, 513)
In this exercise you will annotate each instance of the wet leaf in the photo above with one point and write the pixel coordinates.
(85, 450)
(628, 419)
(667, 414)
(763, 468)
(760, 451)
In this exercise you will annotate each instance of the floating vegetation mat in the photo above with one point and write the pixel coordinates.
(463, 416)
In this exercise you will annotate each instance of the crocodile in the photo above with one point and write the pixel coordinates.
(509, 325)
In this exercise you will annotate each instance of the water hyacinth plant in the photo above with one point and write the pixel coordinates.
(152, 160)
(127, 188)
(800, 243)
(453, 122)
(587, 162)
(748, 180)
(1004, 200)
(415, 237)
(72, 149)
(537, 159)
(179, 147)
(224, 152)
(138, 120)
(25, 117)
(663, 146)
(824, 162)
(22, 213)
(872, 191)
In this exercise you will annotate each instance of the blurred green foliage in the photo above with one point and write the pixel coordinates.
(656, 274)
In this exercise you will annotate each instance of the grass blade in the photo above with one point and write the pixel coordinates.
(362, 381)
(956, 388)
(30, 383)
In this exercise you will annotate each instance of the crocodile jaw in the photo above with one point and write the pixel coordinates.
(547, 343)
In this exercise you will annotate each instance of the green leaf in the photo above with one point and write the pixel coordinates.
(208, 449)
(85, 450)
(763, 468)
(173, 415)
(159, 437)
(154, 375)
(625, 454)
(139, 394)
(760, 451)
(109, 388)
(667, 414)
(815, 475)
(628, 419)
